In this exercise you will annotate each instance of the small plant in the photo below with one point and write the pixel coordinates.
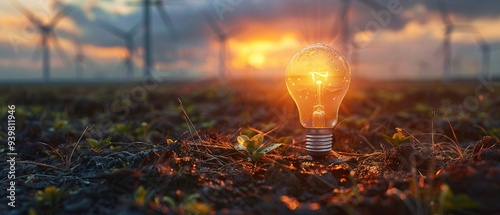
(121, 128)
(285, 141)
(49, 197)
(60, 125)
(198, 208)
(439, 199)
(397, 138)
(254, 147)
(60, 122)
(140, 196)
(98, 145)
(494, 132)
(448, 201)
(189, 205)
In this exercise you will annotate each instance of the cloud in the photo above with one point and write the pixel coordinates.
(251, 24)
(471, 9)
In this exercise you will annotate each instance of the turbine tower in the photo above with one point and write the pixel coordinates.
(486, 49)
(148, 58)
(47, 34)
(345, 35)
(449, 27)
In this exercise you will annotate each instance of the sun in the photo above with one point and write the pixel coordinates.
(256, 60)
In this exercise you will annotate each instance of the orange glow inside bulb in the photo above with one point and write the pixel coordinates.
(317, 78)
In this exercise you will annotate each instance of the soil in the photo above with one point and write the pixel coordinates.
(169, 149)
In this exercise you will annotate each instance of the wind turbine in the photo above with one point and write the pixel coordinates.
(81, 59)
(346, 36)
(128, 37)
(493, 47)
(148, 58)
(449, 27)
(47, 34)
(486, 49)
(485, 56)
(222, 36)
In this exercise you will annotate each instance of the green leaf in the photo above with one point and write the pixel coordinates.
(462, 201)
(284, 140)
(242, 138)
(106, 141)
(396, 139)
(389, 140)
(251, 146)
(447, 201)
(266, 149)
(140, 196)
(256, 157)
(58, 125)
(257, 140)
(240, 147)
(93, 143)
(50, 196)
(169, 201)
(248, 132)
(115, 148)
(98, 145)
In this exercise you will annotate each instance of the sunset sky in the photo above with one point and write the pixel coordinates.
(401, 39)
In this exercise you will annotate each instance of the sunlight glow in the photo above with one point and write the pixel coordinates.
(264, 55)
(256, 60)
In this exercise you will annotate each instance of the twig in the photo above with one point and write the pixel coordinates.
(68, 160)
(54, 150)
(190, 124)
(454, 135)
(40, 164)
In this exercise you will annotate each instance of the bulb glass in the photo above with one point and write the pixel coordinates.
(317, 78)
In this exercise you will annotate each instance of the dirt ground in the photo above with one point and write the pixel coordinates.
(399, 148)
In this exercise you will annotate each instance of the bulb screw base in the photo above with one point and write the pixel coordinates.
(319, 142)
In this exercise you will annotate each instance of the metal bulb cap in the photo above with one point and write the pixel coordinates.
(319, 142)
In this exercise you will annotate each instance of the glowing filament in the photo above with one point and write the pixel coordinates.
(319, 112)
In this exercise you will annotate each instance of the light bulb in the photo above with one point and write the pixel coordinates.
(317, 78)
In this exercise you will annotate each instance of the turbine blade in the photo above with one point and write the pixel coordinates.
(473, 30)
(234, 30)
(373, 4)
(134, 30)
(494, 46)
(167, 21)
(342, 21)
(111, 29)
(91, 62)
(37, 51)
(212, 23)
(60, 51)
(78, 47)
(61, 14)
(116, 68)
(28, 14)
(94, 65)
(466, 28)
